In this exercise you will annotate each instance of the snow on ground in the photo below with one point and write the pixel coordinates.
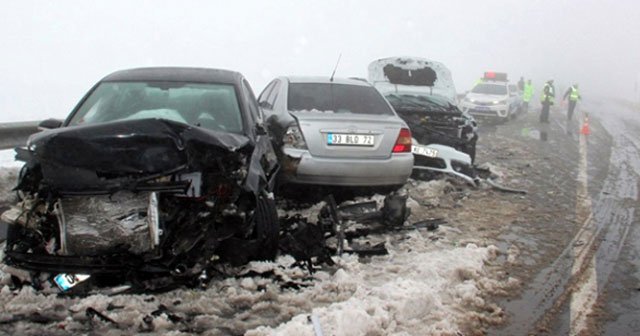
(423, 287)
(416, 290)
(7, 159)
(9, 168)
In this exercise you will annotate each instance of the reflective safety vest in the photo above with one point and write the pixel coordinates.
(575, 95)
(547, 94)
(528, 92)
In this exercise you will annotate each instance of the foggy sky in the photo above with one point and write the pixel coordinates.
(52, 53)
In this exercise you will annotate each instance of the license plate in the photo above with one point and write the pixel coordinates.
(67, 281)
(423, 150)
(350, 139)
(481, 108)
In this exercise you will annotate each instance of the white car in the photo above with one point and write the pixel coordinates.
(494, 99)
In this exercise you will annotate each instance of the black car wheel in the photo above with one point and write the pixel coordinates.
(470, 149)
(267, 227)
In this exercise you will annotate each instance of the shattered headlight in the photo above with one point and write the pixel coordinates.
(293, 138)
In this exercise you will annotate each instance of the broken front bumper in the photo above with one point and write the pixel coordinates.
(74, 264)
(96, 234)
(444, 159)
(486, 111)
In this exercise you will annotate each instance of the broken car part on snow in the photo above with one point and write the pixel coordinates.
(307, 242)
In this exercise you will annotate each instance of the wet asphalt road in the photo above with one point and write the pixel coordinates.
(592, 286)
(618, 257)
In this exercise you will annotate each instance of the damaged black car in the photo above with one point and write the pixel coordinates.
(423, 94)
(156, 176)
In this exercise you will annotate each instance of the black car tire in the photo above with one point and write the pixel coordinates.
(470, 149)
(267, 227)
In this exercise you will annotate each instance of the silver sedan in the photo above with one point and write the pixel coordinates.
(336, 132)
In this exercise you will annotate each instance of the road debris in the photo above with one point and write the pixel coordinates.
(499, 187)
(92, 313)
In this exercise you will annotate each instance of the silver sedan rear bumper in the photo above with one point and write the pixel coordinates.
(300, 167)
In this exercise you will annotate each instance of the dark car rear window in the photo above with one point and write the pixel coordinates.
(336, 98)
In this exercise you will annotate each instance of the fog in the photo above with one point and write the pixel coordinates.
(53, 52)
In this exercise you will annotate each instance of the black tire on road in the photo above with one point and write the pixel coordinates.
(267, 227)
(470, 149)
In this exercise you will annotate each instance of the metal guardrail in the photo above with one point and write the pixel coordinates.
(15, 134)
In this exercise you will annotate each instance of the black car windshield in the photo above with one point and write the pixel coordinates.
(492, 89)
(336, 98)
(212, 106)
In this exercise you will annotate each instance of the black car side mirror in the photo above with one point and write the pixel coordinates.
(49, 124)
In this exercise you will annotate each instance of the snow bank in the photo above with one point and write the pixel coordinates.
(416, 290)
(7, 159)
(8, 178)
(9, 169)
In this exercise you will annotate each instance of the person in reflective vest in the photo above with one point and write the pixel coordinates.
(574, 95)
(547, 99)
(527, 94)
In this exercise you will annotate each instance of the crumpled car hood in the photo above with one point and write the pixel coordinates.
(85, 157)
(412, 74)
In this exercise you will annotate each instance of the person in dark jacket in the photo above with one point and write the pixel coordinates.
(521, 84)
